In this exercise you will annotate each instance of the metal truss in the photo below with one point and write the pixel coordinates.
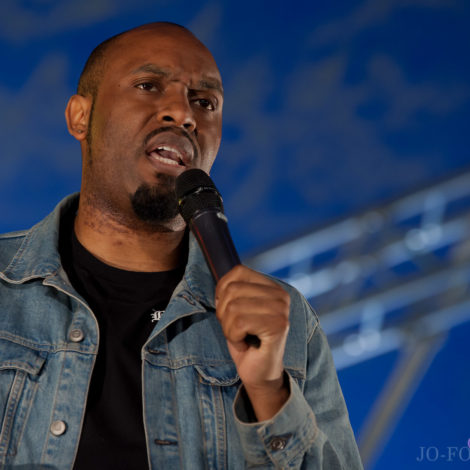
(396, 277)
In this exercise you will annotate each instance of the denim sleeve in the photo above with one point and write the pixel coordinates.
(312, 429)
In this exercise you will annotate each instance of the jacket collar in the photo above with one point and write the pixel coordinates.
(38, 256)
(197, 275)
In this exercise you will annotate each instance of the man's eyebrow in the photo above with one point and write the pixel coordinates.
(207, 83)
(211, 84)
(151, 68)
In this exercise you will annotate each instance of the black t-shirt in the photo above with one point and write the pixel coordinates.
(127, 306)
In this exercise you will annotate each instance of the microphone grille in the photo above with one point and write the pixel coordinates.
(195, 192)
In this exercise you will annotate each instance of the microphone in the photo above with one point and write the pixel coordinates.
(200, 204)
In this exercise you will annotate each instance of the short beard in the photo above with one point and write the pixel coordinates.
(156, 204)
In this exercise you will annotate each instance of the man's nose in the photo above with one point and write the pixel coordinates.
(175, 108)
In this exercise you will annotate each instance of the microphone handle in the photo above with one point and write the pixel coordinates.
(211, 231)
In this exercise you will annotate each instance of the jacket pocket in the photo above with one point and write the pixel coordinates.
(217, 388)
(19, 370)
(223, 375)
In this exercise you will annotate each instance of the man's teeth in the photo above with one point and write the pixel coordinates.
(168, 161)
(160, 152)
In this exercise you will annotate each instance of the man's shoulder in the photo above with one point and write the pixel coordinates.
(17, 234)
(10, 243)
(34, 251)
(40, 236)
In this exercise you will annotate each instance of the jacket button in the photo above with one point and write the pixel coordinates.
(58, 428)
(278, 443)
(76, 335)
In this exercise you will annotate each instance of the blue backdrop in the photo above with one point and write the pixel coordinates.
(330, 107)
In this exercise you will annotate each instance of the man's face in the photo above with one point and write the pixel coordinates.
(158, 112)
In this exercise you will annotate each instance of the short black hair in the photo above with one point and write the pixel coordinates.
(93, 70)
(94, 67)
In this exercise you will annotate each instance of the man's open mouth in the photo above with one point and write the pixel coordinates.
(171, 149)
(168, 155)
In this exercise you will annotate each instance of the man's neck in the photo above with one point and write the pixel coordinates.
(139, 249)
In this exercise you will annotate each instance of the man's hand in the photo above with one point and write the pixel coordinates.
(249, 303)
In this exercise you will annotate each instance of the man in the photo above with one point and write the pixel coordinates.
(116, 349)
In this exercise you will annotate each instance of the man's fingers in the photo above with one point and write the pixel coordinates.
(249, 303)
(236, 327)
(261, 317)
(242, 273)
(243, 289)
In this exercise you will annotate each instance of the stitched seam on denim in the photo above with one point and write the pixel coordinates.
(304, 443)
(314, 330)
(24, 342)
(33, 275)
(82, 417)
(316, 432)
(44, 347)
(19, 252)
(201, 414)
(53, 407)
(189, 361)
(19, 365)
(144, 408)
(206, 378)
(12, 404)
(220, 428)
(13, 235)
(25, 279)
(203, 302)
(206, 445)
(26, 417)
(173, 400)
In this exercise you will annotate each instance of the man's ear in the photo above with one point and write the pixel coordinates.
(77, 115)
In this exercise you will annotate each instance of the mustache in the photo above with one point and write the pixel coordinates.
(176, 130)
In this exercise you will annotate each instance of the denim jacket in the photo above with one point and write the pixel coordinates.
(195, 415)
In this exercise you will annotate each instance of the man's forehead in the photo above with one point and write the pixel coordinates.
(165, 37)
(160, 31)
(151, 47)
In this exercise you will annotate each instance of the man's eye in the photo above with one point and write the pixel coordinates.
(205, 103)
(147, 86)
